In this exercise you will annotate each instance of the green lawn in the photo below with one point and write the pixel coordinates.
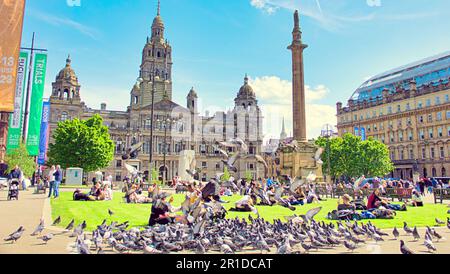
(137, 215)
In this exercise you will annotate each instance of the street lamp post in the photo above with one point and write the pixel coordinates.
(166, 123)
(152, 112)
(327, 132)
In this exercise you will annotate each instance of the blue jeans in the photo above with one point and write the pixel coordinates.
(50, 188)
(56, 189)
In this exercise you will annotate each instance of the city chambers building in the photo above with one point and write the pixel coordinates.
(176, 128)
(408, 109)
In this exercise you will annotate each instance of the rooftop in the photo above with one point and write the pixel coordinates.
(430, 70)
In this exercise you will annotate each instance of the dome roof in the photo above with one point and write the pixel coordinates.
(67, 72)
(158, 22)
(246, 90)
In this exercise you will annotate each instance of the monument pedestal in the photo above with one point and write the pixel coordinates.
(300, 162)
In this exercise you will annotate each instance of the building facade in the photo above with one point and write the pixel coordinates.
(408, 109)
(175, 128)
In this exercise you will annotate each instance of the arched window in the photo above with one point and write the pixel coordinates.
(425, 173)
(66, 94)
(64, 116)
(136, 100)
(159, 54)
(443, 172)
(433, 171)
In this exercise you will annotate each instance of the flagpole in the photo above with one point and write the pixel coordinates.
(29, 84)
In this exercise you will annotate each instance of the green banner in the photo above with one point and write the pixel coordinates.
(34, 124)
(15, 119)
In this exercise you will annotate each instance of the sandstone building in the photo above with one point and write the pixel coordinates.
(408, 109)
(176, 127)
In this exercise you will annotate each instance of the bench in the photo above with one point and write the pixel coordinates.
(399, 193)
(441, 194)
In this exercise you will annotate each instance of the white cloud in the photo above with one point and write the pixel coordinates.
(275, 98)
(61, 21)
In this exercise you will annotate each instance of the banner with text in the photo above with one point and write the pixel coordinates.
(15, 119)
(35, 115)
(45, 132)
(11, 23)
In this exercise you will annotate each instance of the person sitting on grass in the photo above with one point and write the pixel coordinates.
(107, 192)
(298, 197)
(162, 211)
(134, 198)
(311, 195)
(345, 203)
(375, 201)
(416, 200)
(96, 192)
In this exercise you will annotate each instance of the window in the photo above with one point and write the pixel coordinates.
(64, 116)
(118, 176)
(389, 110)
(440, 133)
(447, 115)
(439, 116)
(204, 164)
(447, 99)
(420, 119)
(355, 117)
(411, 153)
(410, 135)
(428, 103)
(391, 137)
(438, 100)
(399, 108)
(432, 153)
(408, 107)
(400, 136)
(441, 152)
(421, 134)
(408, 121)
(419, 105)
(430, 118)
(430, 133)
(424, 153)
(382, 138)
(217, 166)
(448, 131)
(402, 156)
(119, 163)
(392, 155)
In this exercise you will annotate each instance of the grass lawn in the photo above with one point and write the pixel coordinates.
(137, 215)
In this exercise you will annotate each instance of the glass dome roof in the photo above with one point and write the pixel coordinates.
(427, 71)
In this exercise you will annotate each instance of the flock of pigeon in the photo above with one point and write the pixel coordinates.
(230, 236)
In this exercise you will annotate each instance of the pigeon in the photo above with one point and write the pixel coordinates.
(18, 230)
(448, 222)
(404, 249)
(396, 233)
(46, 238)
(225, 249)
(151, 250)
(407, 229)
(57, 221)
(70, 225)
(110, 212)
(416, 234)
(437, 235)
(439, 222)
(429, 244)
(350, 246)
(39, 228)
(14, 236)
(131, 152)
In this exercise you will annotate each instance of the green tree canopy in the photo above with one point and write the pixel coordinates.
(352, 157)
(20, 157)
(82, 143)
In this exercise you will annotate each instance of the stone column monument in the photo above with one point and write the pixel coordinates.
(298, 157)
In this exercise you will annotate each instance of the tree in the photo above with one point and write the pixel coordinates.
(248, 176)
(82, 143)
(20, 157)
(352, 157)
(226, 175)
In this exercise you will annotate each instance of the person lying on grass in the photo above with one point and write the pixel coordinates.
(246, 204)
(134, 197)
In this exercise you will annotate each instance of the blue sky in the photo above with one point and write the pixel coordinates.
(215, 42)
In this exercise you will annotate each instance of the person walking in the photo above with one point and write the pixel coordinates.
(58, 179)
(51, 179)
(3, 169)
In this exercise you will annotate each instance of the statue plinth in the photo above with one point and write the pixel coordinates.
(299, 161)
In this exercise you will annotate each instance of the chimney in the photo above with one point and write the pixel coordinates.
(103, 106)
